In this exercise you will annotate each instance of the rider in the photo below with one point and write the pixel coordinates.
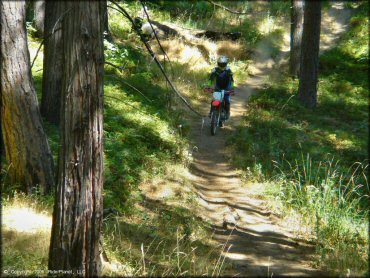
(222, 77)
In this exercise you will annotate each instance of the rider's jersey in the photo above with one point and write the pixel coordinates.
(223, 78)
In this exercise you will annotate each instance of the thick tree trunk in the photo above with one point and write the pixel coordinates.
(1, 151)
(39, 16)
(52, 74)
(26, 145)
(296, 29)
(78, 209)
(307, 92)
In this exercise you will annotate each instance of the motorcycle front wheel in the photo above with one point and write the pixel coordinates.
(215, 117)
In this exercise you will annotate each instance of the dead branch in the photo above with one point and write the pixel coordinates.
(125, 14)
(226, 8)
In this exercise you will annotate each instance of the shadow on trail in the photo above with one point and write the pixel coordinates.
(258, 246)
(266, 253)
(245, 207)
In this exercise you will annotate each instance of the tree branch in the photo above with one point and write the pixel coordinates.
(137, 109)
(226, 8)
(156, 37)
(113, 8)
(49, 35)
(132, 87)
(124, 12)
(113, 65)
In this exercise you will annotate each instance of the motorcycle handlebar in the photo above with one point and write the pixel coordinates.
(210, 90)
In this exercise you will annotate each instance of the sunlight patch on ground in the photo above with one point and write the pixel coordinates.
(25, 220)
(236, 256)
(334, 23)
(266, 26)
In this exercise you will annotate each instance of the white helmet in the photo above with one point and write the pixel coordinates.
(222, 62)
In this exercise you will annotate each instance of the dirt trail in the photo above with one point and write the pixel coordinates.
(260, 245)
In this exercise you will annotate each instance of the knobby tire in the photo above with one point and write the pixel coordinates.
(214, 120)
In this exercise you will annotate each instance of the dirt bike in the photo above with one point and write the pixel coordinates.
(218, 108)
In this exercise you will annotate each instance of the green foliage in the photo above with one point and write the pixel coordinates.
(29, 12)
(277, 125)
(298, 149)
(279, 8)
(332, 201)
(139, 139)
(249, 32)
(193, 10)
(137, 146)
(113, 52)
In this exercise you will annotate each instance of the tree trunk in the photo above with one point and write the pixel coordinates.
(39, 16)
(107, 34)
(1, 151)
(307, 92)
(78, 209)
(296, 13)
(53, 55)
(26, 145)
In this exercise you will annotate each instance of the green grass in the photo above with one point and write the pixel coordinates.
(25, 240)
(317, 160)
(138, 144)
(161, 240)
(332, 202)
(143, 149)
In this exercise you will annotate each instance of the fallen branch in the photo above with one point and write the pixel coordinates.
(226, 8)
(214, 35)
(155, 58)
(156, 37)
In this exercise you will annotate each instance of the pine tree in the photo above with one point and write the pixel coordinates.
(78, 208)
(26, 145)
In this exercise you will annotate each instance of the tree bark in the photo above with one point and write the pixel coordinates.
(307, 92)
(52, 74)
(1, 151)
(296, 28)
(39, 16)
(78, 209)
(26, 145)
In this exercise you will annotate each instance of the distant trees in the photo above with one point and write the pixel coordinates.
(296, 28)
(39, 16)
(26, 145)
(78, 208)
(307, 92)
(53, 62)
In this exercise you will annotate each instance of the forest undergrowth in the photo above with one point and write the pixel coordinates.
(314, 163)
(152, 229)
